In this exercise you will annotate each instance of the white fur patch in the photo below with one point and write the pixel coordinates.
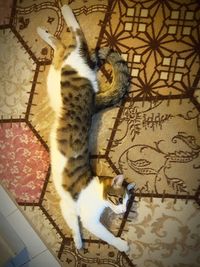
(54, 89)
(76, 61)
(92, 198)
(46, 36)
(69, 17)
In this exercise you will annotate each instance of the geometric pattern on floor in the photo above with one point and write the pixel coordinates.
(152, 136)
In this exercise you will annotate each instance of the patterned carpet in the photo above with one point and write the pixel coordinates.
(152, 136)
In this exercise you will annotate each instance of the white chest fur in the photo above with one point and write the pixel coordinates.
(76, 61)
(92, 198)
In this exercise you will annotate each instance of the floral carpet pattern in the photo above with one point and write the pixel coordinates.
(152, 136)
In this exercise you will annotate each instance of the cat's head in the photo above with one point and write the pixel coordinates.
(116, 193)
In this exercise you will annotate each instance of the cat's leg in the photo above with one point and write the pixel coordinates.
(47, 37)
(99, 230)
(69, 17)
(69, 213)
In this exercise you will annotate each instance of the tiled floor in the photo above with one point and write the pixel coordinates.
(152, 136)
(18, 232)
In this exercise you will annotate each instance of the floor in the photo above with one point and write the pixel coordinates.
(152, 136)
(21, 244)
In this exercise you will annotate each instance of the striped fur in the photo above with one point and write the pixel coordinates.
(114, 194)
(73, 131)
(72, 85)
(74, 116)
(121, 78)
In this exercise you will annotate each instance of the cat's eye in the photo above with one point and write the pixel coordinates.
(120, 200)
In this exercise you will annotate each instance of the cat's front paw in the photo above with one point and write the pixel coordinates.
(121, 245)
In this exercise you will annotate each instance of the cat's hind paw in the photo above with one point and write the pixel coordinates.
(47, 37)
(122, 245)
(66, 9)
(42, 31)
(69, 17)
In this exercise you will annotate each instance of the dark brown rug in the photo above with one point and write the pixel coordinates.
(152, 136)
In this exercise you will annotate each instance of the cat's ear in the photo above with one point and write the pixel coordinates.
(118, 180)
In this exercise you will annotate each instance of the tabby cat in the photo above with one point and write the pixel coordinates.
(72, 86)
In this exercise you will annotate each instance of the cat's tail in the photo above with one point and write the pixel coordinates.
(120, 80)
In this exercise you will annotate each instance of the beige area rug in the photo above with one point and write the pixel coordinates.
(152, 136)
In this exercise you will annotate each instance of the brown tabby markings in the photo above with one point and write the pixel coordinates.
(72, 140)
(115, 193)
(77, 109)
(75, 119)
